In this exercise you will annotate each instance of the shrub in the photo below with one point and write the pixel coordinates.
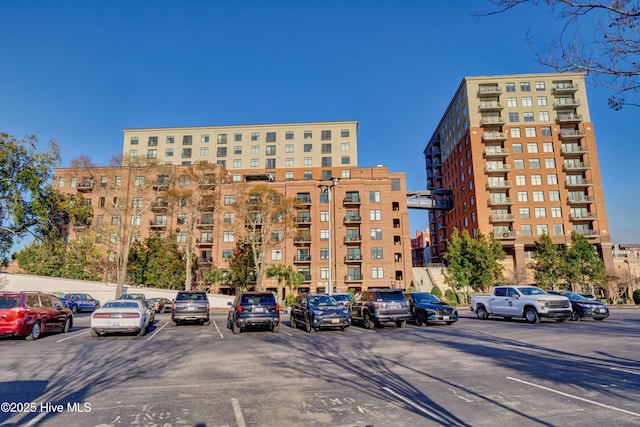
(636, 296)
(436, 291)
(451, 297)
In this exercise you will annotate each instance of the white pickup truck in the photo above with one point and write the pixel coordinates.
(529, 302)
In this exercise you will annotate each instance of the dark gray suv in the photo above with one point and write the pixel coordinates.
(190, 306)
(375, 306)
(250, 309)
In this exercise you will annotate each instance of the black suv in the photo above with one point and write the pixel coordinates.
(380, 305)
(254, 309)
(190, 306)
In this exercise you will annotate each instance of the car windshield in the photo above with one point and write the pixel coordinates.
(121, 304)
(323, 301)
(390, 296)
(531, 290)
(7, 301)
(132, 296)
(195, 297)
(425, 298)
(573, 296)
(342, 298)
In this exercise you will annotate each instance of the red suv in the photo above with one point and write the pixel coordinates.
(30, 314)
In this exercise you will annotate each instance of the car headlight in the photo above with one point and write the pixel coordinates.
(317, 312)
(543, 303)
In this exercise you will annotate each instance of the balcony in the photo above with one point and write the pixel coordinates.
(204, 225)
(352, 200)
(573, 150)
(157, 224)
(85, 186)
(502, 218)
(161, 184)
(493, 136)
(206, 242)
(302, 239)
(302, 259)
(571, 134)
(565, 87)
(575, 166)
(585, 216)
(494, 90)
(207, 184)
(206, 206)
(495, 152)
(503, 168)
(584, 200)
(588, 232)
(353, 240)
(352, 219)
(490, 106)
(507, 201)
(304, 202)
(579, 183)
(492, 121)
(350, 259)
(568, 118)
(303, 220)
(205, 261)
(350, 278)
(506, 235)
(159, 206)
(500, 185)
(560, 103)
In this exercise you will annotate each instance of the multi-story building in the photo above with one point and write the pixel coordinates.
(362, 219)
(518, 154)
(287, 151)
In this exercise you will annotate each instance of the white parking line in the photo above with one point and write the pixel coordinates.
(575, 397)
(626, 370)
(73, 336)
(157, 330)
(218, 329)
(418, 407)
(238, 413)
(286, 333)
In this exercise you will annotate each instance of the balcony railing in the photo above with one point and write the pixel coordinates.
(571, 134)
(503, 168)
(579, 183)
(205, 242)
(352, 200)
(496, 152)
(353, 278)
(502, 218)
(568, 118)
(494, 136)
(501, 202)
(506, 235)
(581, 200)
(588, 216)
(498, 185)
(489, 106)
(159, 206)
(157, 224)
(353, 258)
(566, 103)
(353, 239)
(302, 259)
(352, 219)
(492, 121)
(489, 90)
(575, 166)
(84, 187)
(574, 150)
(588, 232)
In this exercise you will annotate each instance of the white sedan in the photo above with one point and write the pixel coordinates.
(124, 316)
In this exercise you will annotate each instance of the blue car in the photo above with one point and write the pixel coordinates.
(582, 306)
(80, 302)
(319, 311)
(427, 308)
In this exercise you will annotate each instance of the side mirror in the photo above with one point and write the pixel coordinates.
(229, 303)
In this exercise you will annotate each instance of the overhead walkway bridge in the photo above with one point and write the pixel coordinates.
(430, 199)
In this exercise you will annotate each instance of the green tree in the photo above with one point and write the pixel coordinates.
(285, 274)
(241, 266)
(217, 276)
(550, 264)
(157, 263)
(25, 187)
(584, 267)
(598, 37)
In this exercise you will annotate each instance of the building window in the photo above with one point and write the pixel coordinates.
(525, 87)
(527, 101)
(222, 138)
(133, 153)
(186, 153)
(228, 236)
(307, 134)
(326, 149)
(556, 212)
(204, 151)
(307, 161)
(255, 136)
(237, 163)
(324, 234)
(375, 215)
(187, 140)
(326, 161)
(540, 212)
(255, 149)
(168, 152)
(512, 102)
(325, 135)
(308, 148)
(543, 116)
(271, 137)
(534, 163)
(515, 132)
(552, 179)
(133, 140)
(288, 161)
(376, 253)
(528, 116)
(288, 135)
(532, 147)
(345, 160)
(542, 229)
(270, 163)
(514, 117)
(345, 146)
(307, 175)
(374, 196)
(288, 148)
(558, 229)
(524, 213)
(530, 132)
(547, 147)
(540, 86)
(522, 196)
(237, 137)
(510, 87)
(288, 175)
(536, 179)
(324, 253)
(254, 163)
(229, 199)
(377, 272)
(521, 180)
(525, 229)
(138, 181)
(376, 234)
(276, 254)
(184, 180)
(550, 163)
(518, 164)
(538, 196)
(270, 150)
(516, 148)
(344, 133)
(153, 141)
(554, 196)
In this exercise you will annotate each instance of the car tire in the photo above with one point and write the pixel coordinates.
(531, 315)
(420, 320)
(575, 316)
(481, 312)
(235, 328)
(401, 323)
(293, 322)
(74, 308)
(94, 334)
(276, 329)
(343, 328)
(142, 331)
(36, 331)
(367, 322)
(308, 325)
(598, 318)
(206, 323)
(173, 322)
(67, 325)
(450, 323)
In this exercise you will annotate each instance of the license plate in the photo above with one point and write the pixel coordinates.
(394, 306)
(191, 308)
(114, 325)
(335, 320)
(600, 310)
(445, 317)
(258, 309)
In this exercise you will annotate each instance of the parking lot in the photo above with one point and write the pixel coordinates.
(471, 373)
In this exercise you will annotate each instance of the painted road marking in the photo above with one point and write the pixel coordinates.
(73, 336)
(418, 407)
(614, 408)
(157, 330)
(238, 413)
(626, 370)
(218, 329)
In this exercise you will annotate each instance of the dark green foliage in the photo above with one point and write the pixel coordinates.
(451, 297)
(242, 267)
(636, 296)
(436, 291)
(157, 263)
(79, 259)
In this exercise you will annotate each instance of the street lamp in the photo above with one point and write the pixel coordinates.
(328, 190)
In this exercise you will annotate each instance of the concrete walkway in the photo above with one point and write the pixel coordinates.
(101, 291)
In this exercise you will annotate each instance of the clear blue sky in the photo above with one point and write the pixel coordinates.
(79, 72)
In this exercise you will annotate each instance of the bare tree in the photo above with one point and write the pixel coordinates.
(608, 50)
(267, 219)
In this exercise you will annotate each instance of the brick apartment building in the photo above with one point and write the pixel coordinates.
(366, 222)
(518, 154)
